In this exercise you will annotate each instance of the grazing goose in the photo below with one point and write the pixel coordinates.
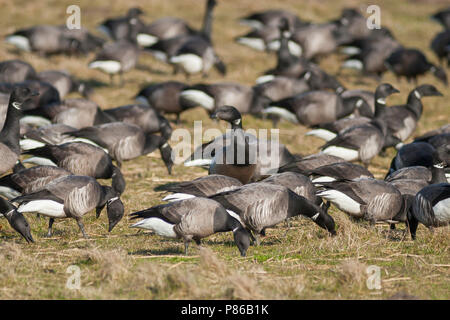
(192, 219)
(80, 159)
(72, 197)
(442, 17)
(29, 180)
(431, 207)
(338, 171)
(412, 63)
(413, 154)
(118, 57)
(164, 97)
(441, 46)
(119, 28)
(50, 134)
(212, 96)
(410, 173)
(270, 155)
(161, 29)
(64, 83)
(306, 164)
(280, 87)
(430, 134)
(10, 133)
(402, 120)
(16, 220)
(329, 131)
(13, 71)
(365, 141)
(314, 107)
(126, 141)
(258, 20)
(371, 199)
(201, 187)
(261, 205)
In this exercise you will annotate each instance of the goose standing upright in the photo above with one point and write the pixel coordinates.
(10, 134)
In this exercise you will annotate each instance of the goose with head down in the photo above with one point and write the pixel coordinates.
(72, 197)
(16, 219)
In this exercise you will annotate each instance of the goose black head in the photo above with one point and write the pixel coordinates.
(16, 219)
(426, 90)
(166, 155)
(242, 240)
(229, 114)
(211, 3)
(115, 211)
(324, 220)
(118, 182)
(283, 25)
(439, 73)
(20, 94)
(135, 12)
(384, 90)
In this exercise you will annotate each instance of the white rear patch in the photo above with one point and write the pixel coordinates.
(28, 144)
(20, 42)
(191, 63)
(323, 179)
(177, 197)
(342, 201)
(294, 48)
(145, 40)
(266, 78)
(442, 210)
(35, 121)
(344, 153)
(198, 163)
(322, 134)
(283, 113)
(353, 64)
(40, 161)
(254, 43)
(350, 50)
(198, 97)
(107, 66)
(9, 193)
(160, 227)
(48, 208)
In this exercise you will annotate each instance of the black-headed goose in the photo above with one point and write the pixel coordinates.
(262, 205)
(119, 28)
(13, 71)
(126, 141)
(373, 200)
(431, 207)
(201, 187)
(211, 96)
(64, 83)
(72, 197)
(411, 63)
(365, 141)
(10, 133)
(192, 219)
(441, 46)
(29, 180)
(16, 219)
(80, 159)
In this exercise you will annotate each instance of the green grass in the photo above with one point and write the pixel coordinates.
(301, 262)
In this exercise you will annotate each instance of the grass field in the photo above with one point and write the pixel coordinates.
(299, 262)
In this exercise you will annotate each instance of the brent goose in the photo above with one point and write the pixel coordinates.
(10, 133)
(431, 207)
(411, 63)
(29, 180)
(72, 197)
(201, 187)
(80, 159)
(262, 205)
(16, 219)
(192, 219)
(441, 46)
(13, 71)
(119, 28)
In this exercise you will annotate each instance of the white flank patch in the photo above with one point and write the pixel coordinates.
(344, 153)
(342, 201)
(294, 48)
(107, 66)
(104, 30)
(191, 63)
(323, 179)
(198, 97)
(353, 64)
(255, 24)
(442, 210)
(145, 40)
(283, 113)
(266, 78)
(35, 121)
(160, 227)
(48, 208)
(236, 216)
(177, 197)
(254, 43)
(28, 144)
(350, 50)
(198, 163)
(40, 161)
(399, 145)
(9, 193)
(142, 100)
(20, 42)
(447, 175)
(322, 134)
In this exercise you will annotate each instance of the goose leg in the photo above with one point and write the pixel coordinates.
(121, 79)
(50, 225)
(186, 245)
(177, 121)
(81, 226)
(413, 224)
(111, 79)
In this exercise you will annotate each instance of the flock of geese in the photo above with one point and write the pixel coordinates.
(72, 142)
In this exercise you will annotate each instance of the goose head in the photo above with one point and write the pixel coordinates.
(439, 73)
(115, 211)
(242, 240)
(134, 12)
(383, 91)
(426, 90)
(20, 94)
(229, 114)
(16, 219)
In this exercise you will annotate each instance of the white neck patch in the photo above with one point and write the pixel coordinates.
(417, 94)
(314, 217)
(235, 229)
(17, 105)
(286, 34)
(307, 75)
(439, 165)
(359, 103)
(381, 101)
(112, 200)
(9, 213)
(236, 122)
(164, 145)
